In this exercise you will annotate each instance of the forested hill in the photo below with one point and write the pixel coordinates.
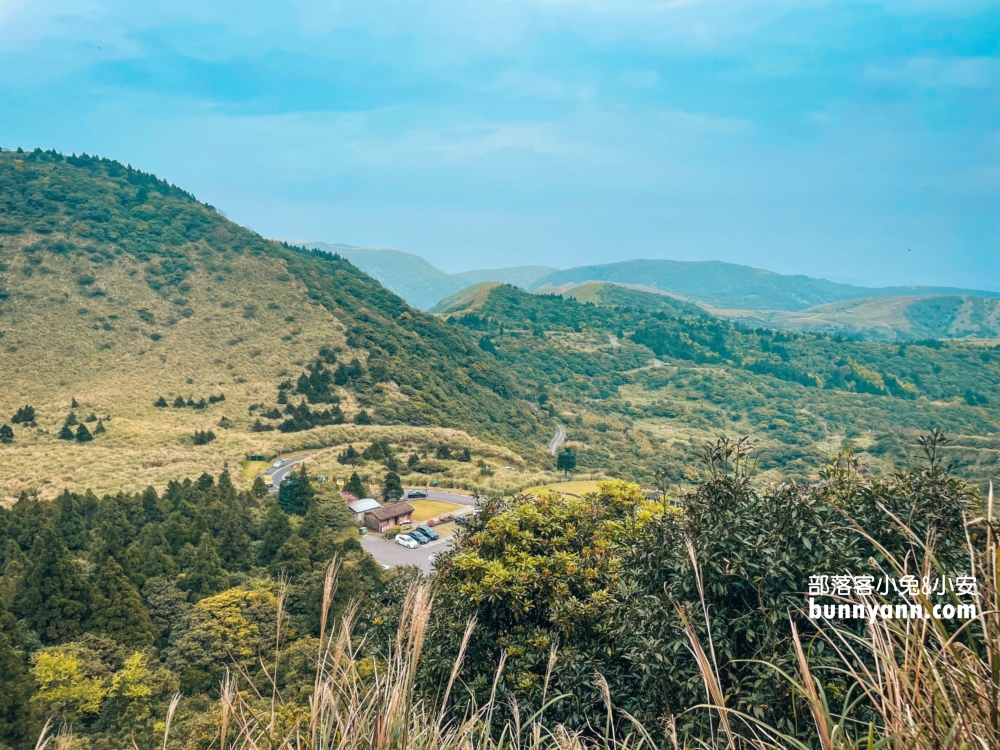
(729, 285)
(117, 288)
(640, 386)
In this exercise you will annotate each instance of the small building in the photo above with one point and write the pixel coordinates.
(362, 506)
(381, 519)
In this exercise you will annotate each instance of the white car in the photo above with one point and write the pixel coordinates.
(407, 541)
(279, 463)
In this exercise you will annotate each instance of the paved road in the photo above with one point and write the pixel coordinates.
(277, 475)
(448, 497)
(557, 439)
(392, 554)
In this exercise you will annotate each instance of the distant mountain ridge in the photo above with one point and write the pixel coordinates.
(729, 285)
(417, 281)
(712, 284)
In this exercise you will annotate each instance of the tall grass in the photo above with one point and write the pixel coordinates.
(357, 708)
(912, 685)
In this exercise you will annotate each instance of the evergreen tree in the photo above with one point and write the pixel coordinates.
(206, 576)
(118, 610)
(155, 552)
(18, 724)
(83, 434)
(274, 530)
(354, 486)
(71, 420)
(295, 493)
(392, 487)
(231, 537)
(70, 524)
(179, 402)
(412, 461)
(292, 558)
(160, 402)
(465, 456)
(100, 430)
(6, 434)
(114, 532)
(73, 404)
(363, 417)
(349, 456)
(66, 433)
(567, 460)
(52, 597)
(259, 488)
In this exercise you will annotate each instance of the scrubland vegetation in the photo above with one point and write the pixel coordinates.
(145, 339)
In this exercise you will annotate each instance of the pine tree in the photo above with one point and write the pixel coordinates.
(259, 489)
(18, 723)
(465, 456)
(52, 597)
(355, 487)
(274, 530)
(118, 610)
(206, 576)
(99, 430)
(413, 460)
(292, 558)
(296, 493)
(160, 402)
(363, 417)
(66, 433)
(179, 402)
(392, 487)
(70, 524)
(83, 434)
(73, 404)
(567, 460)
(155, 552)
(6, 434)
(71, 420)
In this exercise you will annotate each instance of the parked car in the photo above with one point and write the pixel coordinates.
(407, 541)
(420, 536)
(428, 531)
(416, 495)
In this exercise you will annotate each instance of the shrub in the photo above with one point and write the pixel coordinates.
(203, 437)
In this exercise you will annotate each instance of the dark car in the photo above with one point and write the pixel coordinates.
(419, 536)
(428, 532)
(415, 495)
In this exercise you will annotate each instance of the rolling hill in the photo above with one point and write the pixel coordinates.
(417, 281)
(728, 285)
(887, 318)
(117, 289)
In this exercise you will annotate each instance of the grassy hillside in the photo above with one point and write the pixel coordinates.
(887, 319)
(729, 285)
(801, 396)
(617, 295)
(417, 281)
(117, 289)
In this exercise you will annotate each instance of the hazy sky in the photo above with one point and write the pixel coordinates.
(858, 141)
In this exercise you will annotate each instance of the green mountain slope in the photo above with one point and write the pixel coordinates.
(887, 318)
(117, 289)
(728, 285)
(417, 281)
(801, 396)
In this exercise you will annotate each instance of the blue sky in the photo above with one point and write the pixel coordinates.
(858, 141)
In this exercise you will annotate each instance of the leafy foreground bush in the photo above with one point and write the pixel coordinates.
(550, 613)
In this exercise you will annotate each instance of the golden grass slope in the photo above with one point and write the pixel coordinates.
(237, 326)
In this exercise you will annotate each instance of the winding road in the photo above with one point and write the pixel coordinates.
(557, 439)
(278, 475)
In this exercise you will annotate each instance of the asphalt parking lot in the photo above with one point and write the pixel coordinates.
(390, 553)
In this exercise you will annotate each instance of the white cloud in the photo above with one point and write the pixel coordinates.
(940, 72)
